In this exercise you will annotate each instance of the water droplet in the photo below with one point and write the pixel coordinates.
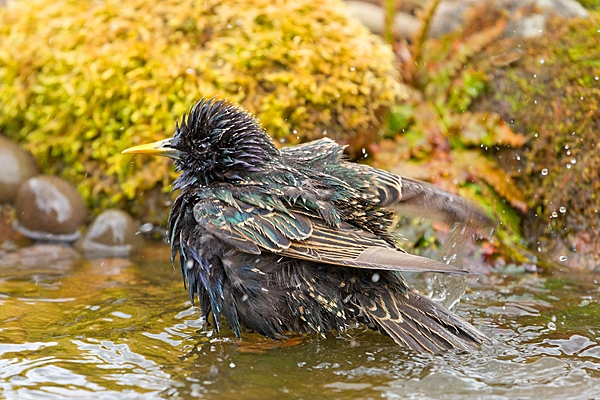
(232, 365)
(352, 69)
(245, 297)
(545, 172)
(542, 61)
(563, 209)
(325, 132)
(375, 277)
(147, 227)
(562, 258)
(552, 326)
(554, 214)
(189, 264)
(535, 75)
(573, 161)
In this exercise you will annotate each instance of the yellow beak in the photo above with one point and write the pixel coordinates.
(160, 148)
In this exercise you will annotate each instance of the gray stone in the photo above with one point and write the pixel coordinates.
(563, 8)
(112, 234)
(450, 15)
(373, 17)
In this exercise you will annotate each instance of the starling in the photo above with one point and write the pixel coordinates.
(297, 240)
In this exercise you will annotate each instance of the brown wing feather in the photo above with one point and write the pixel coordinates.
(360, 249)
(254, 230)
(415, 198)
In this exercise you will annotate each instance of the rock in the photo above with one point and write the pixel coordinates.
(526, 27)
(112, 234)
(49, 208)
(448, 17)
(373, 17)
(525, 19)
(563, 8)
(17, 167)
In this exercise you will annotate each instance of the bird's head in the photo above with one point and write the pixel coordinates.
(216, 142)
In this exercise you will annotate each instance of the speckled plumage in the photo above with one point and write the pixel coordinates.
(297, 240)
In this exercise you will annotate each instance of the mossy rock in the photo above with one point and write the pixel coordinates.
(551, 93)
(81, 81)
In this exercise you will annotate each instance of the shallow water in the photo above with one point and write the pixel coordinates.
(114, 328)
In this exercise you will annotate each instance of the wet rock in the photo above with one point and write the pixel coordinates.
(17, 166)
(112, 234)
(525, 19)
(373, 17)
(49, 208)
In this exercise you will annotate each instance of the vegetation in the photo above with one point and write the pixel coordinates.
(436, 136)
(512, 124)
(81, 81)
(552, 94)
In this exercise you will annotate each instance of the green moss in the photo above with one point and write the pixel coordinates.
(590, 4)
(552, 94)
(81, 81)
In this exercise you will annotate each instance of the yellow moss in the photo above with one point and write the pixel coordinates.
(80, 81)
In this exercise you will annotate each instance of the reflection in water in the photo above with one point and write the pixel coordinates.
(111, 328)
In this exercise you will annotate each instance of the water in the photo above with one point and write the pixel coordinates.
(119, 329)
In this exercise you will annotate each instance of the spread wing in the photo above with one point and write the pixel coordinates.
(405, 195)
(255, 230)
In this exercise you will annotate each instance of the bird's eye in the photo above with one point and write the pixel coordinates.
(203, 146)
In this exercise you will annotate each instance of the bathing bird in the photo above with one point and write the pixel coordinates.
(297, 240)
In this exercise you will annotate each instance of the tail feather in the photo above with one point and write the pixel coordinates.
(423, 325)
(419, 339)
